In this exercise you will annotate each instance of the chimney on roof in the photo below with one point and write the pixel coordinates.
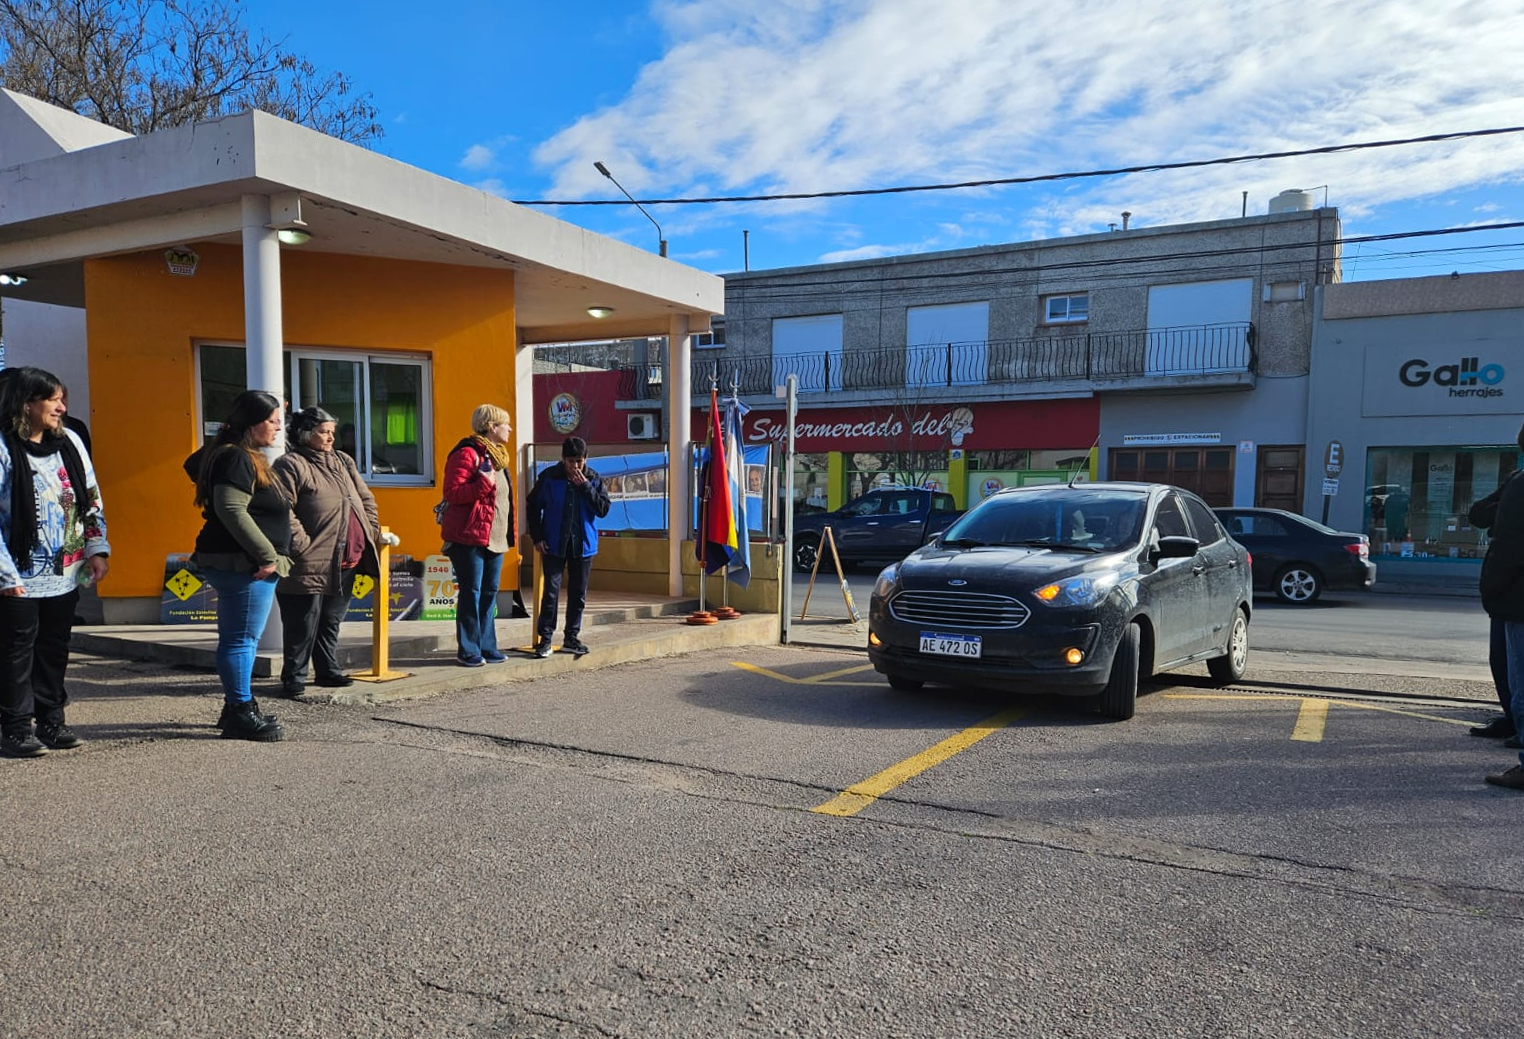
(1126, 216)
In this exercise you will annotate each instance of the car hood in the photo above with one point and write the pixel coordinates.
(935, 566)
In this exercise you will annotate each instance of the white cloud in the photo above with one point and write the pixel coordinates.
(478, 157)
(810, 95)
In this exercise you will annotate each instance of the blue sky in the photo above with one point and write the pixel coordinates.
(702, 97)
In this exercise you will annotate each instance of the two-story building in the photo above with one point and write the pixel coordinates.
(1177, 353)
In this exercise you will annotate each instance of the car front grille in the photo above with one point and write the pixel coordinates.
(959, 609)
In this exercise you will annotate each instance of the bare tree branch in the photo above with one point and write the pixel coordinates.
(143, 65)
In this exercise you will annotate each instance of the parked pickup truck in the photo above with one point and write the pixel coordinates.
(882, 526)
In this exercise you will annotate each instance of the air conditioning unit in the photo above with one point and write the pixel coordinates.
(642, 425)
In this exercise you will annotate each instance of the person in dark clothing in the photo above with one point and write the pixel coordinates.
(76, 425)
(244, 547)
(1482, 515)
(1502, 587)
(564, 506)
(52, 542)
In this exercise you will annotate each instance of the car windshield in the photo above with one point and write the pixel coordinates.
(1089, 519)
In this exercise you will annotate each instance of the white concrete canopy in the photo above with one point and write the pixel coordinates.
(72, 189)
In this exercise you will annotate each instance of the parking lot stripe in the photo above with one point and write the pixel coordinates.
(1405, 712)
(817, 679)
(1310, 721)
(768, 672)
(860, 795)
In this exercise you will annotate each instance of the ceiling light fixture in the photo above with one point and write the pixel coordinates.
(13, 279)
(293, 236)
(600, 312)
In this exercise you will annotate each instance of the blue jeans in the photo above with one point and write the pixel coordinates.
(477, 570)
(243, 606)
(1513, 632)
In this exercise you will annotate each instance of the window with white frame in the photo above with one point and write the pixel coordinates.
(714, 339)
(380, 403)
(1063, 310)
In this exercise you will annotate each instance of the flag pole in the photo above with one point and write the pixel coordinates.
(701, 615)
(725, 613)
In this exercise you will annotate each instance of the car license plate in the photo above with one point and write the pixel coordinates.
(951, 645)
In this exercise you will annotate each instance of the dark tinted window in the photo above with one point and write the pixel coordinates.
(1208, 531)
(943, 503)
(1257, 524)
(1169, 521)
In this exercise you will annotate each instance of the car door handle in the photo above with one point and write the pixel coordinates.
(1198, 569)
(871, 523)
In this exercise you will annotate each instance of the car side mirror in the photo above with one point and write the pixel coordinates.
(1177, 546)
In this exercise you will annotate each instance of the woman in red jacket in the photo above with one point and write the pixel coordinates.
(478, 528)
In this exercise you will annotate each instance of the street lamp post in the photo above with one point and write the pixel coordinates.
(661, 241)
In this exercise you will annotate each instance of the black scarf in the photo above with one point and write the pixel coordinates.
(24, 492)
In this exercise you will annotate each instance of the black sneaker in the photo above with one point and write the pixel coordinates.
(339, 681)
(1497, 729)
(1513, 779)
(58, 737)
(227, 713)
(543, 648)
(21, 745)
(573, 645)
(292, 689)
(244, 722)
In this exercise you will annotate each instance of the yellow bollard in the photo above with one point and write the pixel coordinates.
(381, 622)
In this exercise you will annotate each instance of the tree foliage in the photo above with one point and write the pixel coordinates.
(144, 65)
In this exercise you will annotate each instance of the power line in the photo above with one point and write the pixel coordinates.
(1040, 178)
(760, 285)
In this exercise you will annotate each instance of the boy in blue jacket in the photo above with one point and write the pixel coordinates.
(567, 501)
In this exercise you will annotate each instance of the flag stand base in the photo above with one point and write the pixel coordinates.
(702, 617)
(725, 613)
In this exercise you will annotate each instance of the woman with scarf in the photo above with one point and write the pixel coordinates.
(478, 527)
(338, 513)
(52, 541)
(244, 547)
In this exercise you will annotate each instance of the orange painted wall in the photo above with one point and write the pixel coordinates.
(143, 324)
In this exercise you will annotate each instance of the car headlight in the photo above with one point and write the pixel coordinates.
(1084, 590)
(888, 579)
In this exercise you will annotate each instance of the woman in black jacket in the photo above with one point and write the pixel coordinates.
(1502, 586)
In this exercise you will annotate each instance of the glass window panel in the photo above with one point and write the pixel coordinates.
(396, 418)
(335, 386)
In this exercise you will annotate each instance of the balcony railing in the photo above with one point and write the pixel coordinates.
(1170, 353)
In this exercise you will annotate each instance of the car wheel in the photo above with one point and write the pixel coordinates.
(903, 684)
(1230, 667)
(1298, 584)
(1120, 697)
(806, 551)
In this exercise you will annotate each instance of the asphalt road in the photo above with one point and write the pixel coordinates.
(769, 842)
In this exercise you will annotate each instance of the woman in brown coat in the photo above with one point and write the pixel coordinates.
(338, 513)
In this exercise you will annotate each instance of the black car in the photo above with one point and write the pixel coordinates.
(1298, 558)
(1081, 590)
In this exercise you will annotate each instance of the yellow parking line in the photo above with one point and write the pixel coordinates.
(1310, 721)
(813, 680)
(819, 679)
(1403, 711)
(860, 795)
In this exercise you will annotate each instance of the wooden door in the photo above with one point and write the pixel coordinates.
(1278, 484)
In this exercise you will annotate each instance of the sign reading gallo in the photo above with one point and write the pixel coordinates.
(1441, 381)
(1034, 424)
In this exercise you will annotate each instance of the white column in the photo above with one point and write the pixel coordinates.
(263, 340)
(679, 437)
(522, 406)
(263, 345)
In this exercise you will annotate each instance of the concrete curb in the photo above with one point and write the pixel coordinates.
(195, 645)
(639, 640)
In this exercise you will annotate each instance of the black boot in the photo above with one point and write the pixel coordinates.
(244, 722)
(227, 713)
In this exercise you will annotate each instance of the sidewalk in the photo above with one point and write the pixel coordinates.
(617, 628)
